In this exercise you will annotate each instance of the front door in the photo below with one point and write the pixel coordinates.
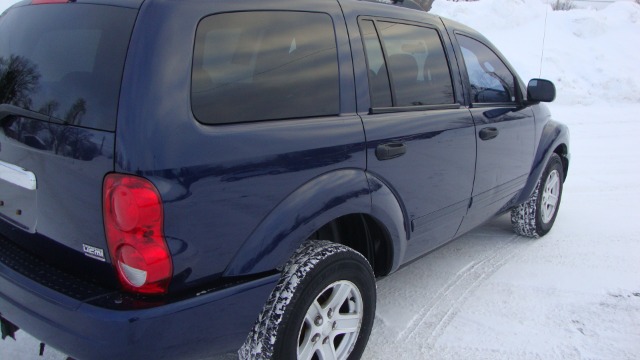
(504, 130)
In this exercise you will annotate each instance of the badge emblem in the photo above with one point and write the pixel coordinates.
(93, 252)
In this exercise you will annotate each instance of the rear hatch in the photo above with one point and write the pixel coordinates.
(60, 75)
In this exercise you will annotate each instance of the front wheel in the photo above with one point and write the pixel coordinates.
(536, 216)
(322, 308)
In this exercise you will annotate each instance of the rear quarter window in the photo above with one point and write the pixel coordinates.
(65, 61)
(255, 66)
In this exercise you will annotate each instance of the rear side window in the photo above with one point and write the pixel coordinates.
(416, 62)
(65, 61)
(255, 66)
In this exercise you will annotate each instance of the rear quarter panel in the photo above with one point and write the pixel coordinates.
(219, 183)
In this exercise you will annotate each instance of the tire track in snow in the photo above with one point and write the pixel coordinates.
(437, 314)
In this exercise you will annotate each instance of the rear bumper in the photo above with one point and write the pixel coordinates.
(206, 325)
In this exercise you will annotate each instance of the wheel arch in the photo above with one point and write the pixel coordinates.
(563, 151)
(383, 231)
(360, 213)
(364, 234)
(280, 233)
(554, 140)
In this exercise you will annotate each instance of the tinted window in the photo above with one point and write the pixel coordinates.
(256, 66)
(65, 61)
(378, 76)
(418, 65)
(490, 79)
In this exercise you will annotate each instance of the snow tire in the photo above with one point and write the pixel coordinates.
(313, 268)
(535, 217)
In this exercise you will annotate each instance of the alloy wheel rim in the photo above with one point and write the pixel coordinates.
(332, 323)
(550, 196)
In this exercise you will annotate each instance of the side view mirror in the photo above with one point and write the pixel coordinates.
(541, 90)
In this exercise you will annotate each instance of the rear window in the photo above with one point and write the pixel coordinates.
(256, 66)
(65, 61)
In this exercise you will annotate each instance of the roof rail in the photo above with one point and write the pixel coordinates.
(410, 4)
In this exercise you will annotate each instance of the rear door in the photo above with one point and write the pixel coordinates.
(504, 129)
(420, 140)
(60, 71)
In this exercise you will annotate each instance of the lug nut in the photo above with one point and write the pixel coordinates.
(318, 321)
(315, 338)
(330, 313)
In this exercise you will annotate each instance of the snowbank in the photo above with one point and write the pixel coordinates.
(571, 295)
(591, 55)
(4, 4)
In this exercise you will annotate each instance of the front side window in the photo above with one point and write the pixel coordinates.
(255, 66)
(490, 79)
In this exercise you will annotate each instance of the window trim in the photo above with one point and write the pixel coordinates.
(388, 110)
(456, 104)
(366, 60)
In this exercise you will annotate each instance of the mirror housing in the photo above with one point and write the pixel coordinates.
(541, 90)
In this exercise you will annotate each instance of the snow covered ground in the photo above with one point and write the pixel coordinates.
(574, 294)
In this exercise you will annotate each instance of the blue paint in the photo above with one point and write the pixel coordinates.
(238, 199)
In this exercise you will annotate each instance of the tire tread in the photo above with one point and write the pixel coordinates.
(262, 338)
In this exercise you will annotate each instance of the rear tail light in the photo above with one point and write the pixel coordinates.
(133, 221)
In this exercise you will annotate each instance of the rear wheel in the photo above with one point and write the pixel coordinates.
(536, 216)
(322, 308)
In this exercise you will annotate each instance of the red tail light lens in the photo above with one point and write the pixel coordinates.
(133, 220)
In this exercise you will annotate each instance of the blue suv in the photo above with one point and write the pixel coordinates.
(188, 179)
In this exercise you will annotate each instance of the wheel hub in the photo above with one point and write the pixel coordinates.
(335, 316)
(550, 196)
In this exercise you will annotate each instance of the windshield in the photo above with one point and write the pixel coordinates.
(65, 61)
